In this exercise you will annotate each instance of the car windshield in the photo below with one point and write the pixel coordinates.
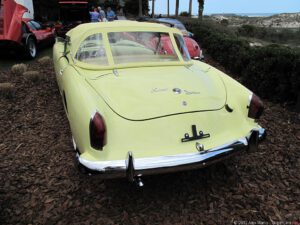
(176, 23)
(132, 47)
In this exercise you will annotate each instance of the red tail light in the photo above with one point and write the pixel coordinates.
(256, 107)
(97, 131)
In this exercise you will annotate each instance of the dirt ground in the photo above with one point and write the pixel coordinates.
(40, 183)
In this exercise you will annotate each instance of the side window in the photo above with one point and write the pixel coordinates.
(182, 47)
(31, 26)
(36, 25)
(92, 51)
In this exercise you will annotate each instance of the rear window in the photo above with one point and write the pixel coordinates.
(136, 47)
(92, 51)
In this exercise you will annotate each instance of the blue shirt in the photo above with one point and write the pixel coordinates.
(111, 15)
(94, 16)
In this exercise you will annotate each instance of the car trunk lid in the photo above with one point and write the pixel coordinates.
(153, 92)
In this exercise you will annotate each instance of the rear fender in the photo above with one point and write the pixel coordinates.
(237, 94)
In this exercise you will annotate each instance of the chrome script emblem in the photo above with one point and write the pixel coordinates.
(157, 90)
(177, 90)
(192, 92)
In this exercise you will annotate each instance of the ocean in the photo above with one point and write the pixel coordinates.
(244, 14)
(256, 14)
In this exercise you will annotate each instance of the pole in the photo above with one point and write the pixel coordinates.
(153, 6)
(140, 8)
(191, 8)
(168, 8)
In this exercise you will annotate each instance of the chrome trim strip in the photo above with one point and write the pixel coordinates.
(172, 163)
(250, 98)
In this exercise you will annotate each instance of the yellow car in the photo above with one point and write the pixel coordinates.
(137, 107)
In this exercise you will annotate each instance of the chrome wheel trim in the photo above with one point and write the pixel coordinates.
(74, 144)
(32, 48)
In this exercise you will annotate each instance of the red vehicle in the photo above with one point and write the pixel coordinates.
(193, 47)
(19, 33)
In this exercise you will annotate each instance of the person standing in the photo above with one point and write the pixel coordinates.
(94, 14)
(110, 14)
(101, 14)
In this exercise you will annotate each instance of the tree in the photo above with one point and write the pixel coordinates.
(131, 7)
(177, 8)
(190, 8)
(200, 9)
(153, 7)
(168, 8)
(140, 8)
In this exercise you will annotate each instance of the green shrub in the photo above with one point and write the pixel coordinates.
(273, 72)
(224, 22)
(274, 35)
(185, 14)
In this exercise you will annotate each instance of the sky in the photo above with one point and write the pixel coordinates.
(231, 6)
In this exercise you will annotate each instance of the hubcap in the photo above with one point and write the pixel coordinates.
(32, 48)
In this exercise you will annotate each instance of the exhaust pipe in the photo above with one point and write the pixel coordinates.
(253, 141)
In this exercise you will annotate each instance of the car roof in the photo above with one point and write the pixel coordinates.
(119, 24)
(81, 32)
(84, 30)
(170, 20)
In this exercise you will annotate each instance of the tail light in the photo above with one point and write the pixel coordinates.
(256, 107)
(97, 131)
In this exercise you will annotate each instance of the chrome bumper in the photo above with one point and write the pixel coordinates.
(132, 168)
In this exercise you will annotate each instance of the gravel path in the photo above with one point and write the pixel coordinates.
(40, 184)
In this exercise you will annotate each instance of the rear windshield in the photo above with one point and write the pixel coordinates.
(132, 47)
(135, 47)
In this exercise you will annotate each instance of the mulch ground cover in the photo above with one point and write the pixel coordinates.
(40, 183)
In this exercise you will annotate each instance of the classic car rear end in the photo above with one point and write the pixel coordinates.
(137, 109)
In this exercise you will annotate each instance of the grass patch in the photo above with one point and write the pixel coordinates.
(33, 76)
(7, 90)
(46, 60)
